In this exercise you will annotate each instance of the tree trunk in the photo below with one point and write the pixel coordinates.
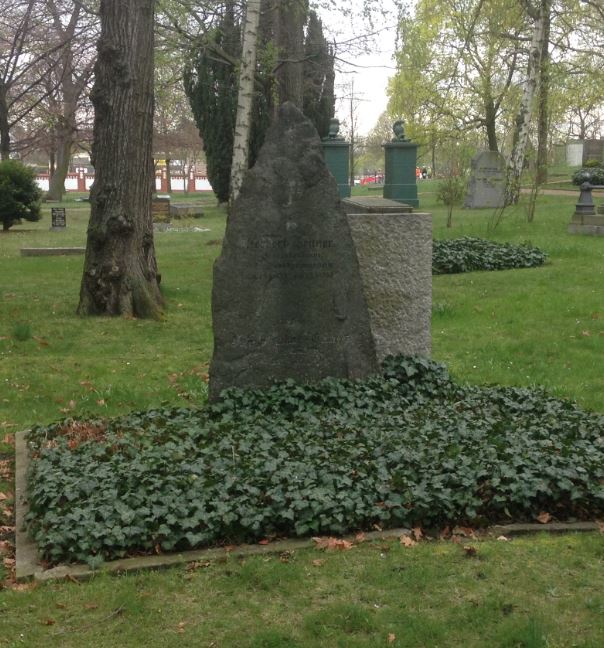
(289, 39)
(525, 112)
(4, 126)
(120, 270)
(543, 114)
(64, 139)
(490, 123)
(245, 98)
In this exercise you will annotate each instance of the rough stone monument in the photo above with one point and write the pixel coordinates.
(287, 298)
(487, 181)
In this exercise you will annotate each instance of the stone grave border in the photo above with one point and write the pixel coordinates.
(28, 567)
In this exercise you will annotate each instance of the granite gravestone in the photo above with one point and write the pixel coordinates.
(287, 298)
(58, 219)
(487, 181)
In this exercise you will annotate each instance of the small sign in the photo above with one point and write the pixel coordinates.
(57, 215)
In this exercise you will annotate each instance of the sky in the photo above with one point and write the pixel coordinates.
(367, 72)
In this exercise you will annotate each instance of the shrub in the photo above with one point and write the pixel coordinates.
(469, 254)
(19, 194)
(406, 447)
(451, 192)
(593, 175)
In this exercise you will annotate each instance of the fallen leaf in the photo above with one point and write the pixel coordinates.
(181, 627)
(61, 606)
(48, 622)
(466, 532)
(318, 562)
(595, 316)
(543, 517)
(3, 496)
(90, 606)
(5, 547)
(101, 402)
(502, 538)
(264, 541)
(391, 637)
(586, 333)
(9, 563)
(359, 537)
(9, 439)
(201, 564)
(471, 552)
(330, 544)
(286, 556)
(417, 533)
(408, 541)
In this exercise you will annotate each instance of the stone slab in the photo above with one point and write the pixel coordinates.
(54, 251)
(374, 205)
(589, 230)
(395, 258)
(185, 210)
(287, 298)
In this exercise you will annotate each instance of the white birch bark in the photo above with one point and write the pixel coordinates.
(245, 97)
(525, 112)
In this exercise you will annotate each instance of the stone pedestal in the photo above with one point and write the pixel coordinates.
(400, 182)
(337, 159)
(395, 258)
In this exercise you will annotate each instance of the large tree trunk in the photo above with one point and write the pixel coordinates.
(525, 112)
(120, 270)
(4, 126)
(245, 97)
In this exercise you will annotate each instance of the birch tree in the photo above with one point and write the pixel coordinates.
(245, 97)
(539, 13)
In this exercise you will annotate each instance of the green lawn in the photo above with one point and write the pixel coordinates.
(519, 327)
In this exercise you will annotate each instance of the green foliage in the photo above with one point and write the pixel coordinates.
(593, 164)
(451, 190)
(318, 77)
(451, 256)
(593, 175)
(406, 447)
(19, 194)
(211, 84)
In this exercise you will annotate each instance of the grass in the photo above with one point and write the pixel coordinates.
(518, 327)
(543, 591)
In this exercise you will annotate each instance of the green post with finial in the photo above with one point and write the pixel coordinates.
(337, 155)
(400, 181)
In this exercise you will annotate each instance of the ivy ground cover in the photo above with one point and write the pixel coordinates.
(408, 447)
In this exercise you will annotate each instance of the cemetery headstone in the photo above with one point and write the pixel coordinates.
(160, 210)
(287, 298)
(487, 181)
(58, 219)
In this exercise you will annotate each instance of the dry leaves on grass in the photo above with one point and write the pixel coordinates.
(391, 637)
(407, 541)
(543, 517)
(332, 544)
